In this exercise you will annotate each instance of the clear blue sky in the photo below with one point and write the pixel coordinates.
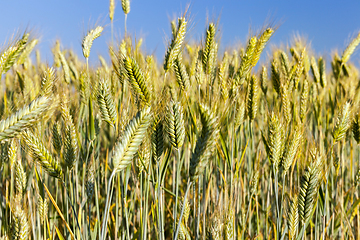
(328, 25)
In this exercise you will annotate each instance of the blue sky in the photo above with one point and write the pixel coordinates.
(328, 25)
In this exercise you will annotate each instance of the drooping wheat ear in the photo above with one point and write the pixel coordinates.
(56, 137)
(263, 80)
(20, 225)
(285, 102)
(343, 122)
(90, 179)
(47, 82)
(315, 69)
(275, 76)
(222, 73)
(24, 118)
(10, 55)
(261, 43)
(209, 46)
(134, 133)
(350, 49)
(157, 138)
(275, 141)
(106, 103)
(254, 182)
(136, 79)
(253, 97)
(176, 44)
(65, 66)
(304, 100)
(112, 9)
(291, 149)
(27, 50)
(41, 155)
(309, 184)
(246, 61)
(175, 126)
(42, 207)
(205, 143)
(125, 4)
(89, 38)
(285, 66)
(293, 218)
(322, 72)
(20, 177)
(182, 76)
(356, 128)
(70, 139)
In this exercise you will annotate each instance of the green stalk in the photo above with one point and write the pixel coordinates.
(183, 208)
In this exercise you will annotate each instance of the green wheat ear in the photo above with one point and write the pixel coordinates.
(176, 44)
(356, 128)
(24, 118)
(134, 133)
(175, 126)
(106, 103)
(343, 122)
(246, 61)
(205, 143)
(136, 79)
(89, 38)
(309, 184)
(293, 218)
(253, 97)
(350, 49)
(261, 43)
(41, 155)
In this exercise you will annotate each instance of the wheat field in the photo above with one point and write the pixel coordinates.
(197, 145)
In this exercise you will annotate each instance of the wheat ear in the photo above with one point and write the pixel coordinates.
(24, 118)
(106, 103)
(89, 38)
(175, 126)
(246, 61)
(205, 143)
(136, 79)
(41, 155)
(127, 147)
(343, 122)
(350, 49)
(176, 44)
(261, 43)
